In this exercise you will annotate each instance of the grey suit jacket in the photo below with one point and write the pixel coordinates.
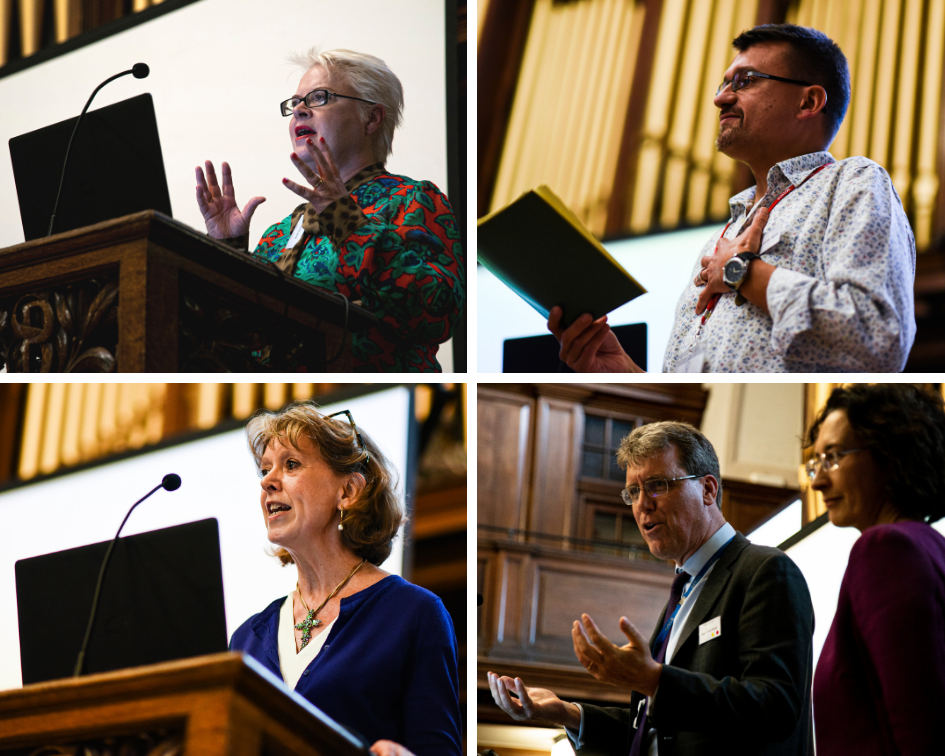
(747, 691)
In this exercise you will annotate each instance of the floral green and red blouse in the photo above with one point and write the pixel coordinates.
(392, 245)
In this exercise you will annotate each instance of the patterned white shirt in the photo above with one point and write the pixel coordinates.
(841, 299)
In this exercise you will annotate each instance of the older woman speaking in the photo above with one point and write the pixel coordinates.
(369, 649)
(879, 462)
(386, 241)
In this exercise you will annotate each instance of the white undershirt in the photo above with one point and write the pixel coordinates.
(291, 663)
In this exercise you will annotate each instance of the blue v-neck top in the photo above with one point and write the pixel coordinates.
(388, 669)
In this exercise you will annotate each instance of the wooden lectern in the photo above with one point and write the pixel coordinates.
(220, 705)
(146, 293)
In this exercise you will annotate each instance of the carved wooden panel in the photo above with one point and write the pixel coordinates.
(504, 457)
(559, 426)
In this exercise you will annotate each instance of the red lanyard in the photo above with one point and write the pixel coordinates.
(715, 299)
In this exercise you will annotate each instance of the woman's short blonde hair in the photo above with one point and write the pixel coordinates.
(372, 522)
(368, 77)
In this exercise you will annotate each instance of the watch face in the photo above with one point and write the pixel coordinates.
(733, 271)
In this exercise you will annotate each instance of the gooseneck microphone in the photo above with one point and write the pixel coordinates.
(139, 71)
(171, 482)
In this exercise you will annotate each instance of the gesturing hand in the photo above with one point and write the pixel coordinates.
(590, 346)
(630, 666)
(318, 168)
(532, 704)
(218, 207)
(710, 275)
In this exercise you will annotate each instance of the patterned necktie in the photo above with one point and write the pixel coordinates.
(660, 654)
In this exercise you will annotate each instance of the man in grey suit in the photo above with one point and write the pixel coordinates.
(728, 667)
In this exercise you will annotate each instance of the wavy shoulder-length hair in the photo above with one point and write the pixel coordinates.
(372, 521)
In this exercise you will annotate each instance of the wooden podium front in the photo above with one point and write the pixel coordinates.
(146, 293)
(220, 705)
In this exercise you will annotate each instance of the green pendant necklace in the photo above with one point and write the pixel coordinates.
(309, 622)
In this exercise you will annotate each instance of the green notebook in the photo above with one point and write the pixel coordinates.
(539, 249)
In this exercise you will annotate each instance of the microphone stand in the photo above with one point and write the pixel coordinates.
(169, 484)
(140, 70)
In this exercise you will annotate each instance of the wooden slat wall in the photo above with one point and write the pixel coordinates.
(573, 90)
(682, 179)
(66, 424)
(70, 17)
(572, 107)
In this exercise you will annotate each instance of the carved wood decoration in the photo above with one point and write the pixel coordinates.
(68, 329)
(160, 743)
(161, 266)
(218, 334)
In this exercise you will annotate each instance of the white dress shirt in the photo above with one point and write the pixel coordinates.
(841, 297)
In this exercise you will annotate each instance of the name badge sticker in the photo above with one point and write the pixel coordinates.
(709, 630)
(692, 363)
(296, 234)
(771, 236)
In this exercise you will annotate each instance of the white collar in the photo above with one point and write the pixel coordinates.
(704, 553)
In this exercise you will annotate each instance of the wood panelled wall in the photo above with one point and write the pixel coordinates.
(610, 103)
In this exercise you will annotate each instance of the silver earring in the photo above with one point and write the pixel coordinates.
(340, 524)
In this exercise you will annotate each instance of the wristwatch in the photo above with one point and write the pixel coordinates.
(736, 269)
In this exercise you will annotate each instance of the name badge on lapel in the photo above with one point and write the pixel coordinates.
(709, 630)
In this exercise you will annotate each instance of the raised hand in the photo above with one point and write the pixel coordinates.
(218, 206)
(630, 666)
(590, 346)
(532, 704)
(324, 182)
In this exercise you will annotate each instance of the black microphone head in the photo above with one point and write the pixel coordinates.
(140, 70)
(171, 482)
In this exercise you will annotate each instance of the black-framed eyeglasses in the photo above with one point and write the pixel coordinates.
(316, 99)
(367, 455)
(743, 79)
(829, 461)
(655, 487)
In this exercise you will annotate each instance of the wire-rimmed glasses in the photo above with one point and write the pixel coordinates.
(354, 427)
(743, 79)
(316, 99)
(829, 461)
(655, 487)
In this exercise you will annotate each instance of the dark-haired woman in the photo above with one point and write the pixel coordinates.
(879, 461)
(372, 651)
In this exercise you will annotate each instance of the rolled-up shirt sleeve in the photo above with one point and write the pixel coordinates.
(858, 311)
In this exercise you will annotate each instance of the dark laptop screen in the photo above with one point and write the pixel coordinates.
(162, 599)
(115, 168)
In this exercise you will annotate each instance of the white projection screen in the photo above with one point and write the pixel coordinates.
(822, 551)
(218, 74)
(218, 480)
